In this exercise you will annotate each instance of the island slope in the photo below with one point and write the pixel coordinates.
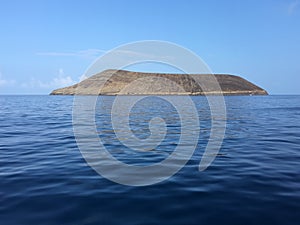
(122, 82)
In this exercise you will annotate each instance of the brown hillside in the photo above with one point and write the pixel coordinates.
(138, 83)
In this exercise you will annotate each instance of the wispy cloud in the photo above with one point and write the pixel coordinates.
(6, 82)
(62, 80)
(89, 53)
(57, 82)
(292, 7)
(94, 53)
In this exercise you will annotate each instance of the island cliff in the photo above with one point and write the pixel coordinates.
(122, 82)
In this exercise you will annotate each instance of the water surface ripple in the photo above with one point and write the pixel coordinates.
(254, 180)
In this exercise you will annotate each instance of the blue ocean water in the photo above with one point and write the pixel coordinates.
(254, 180)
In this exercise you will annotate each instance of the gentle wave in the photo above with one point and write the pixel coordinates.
(255, 178)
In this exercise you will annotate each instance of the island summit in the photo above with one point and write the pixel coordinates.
(122, 82)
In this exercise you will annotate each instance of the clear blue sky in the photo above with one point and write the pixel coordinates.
(48, 44)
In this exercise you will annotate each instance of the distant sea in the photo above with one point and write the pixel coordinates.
(254, 180)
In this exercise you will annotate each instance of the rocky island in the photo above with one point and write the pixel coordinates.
(122, 82)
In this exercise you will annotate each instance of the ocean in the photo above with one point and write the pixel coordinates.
(254, 179)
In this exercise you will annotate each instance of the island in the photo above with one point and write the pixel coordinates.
(123, 82)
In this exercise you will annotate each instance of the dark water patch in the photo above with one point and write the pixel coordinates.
(254, 179)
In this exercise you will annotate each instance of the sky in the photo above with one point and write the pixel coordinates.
(49, 44)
